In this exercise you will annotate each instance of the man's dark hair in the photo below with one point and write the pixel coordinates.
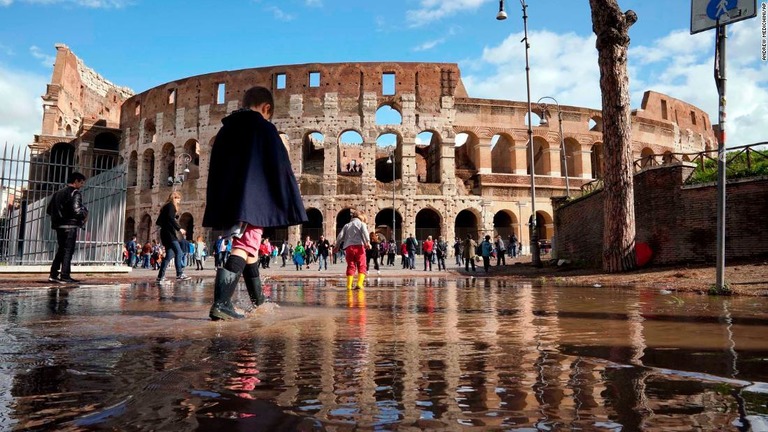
(75, 176)
(256, 96)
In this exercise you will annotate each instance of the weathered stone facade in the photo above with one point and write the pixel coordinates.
(460, 163)
(442, 187)
(81, 118)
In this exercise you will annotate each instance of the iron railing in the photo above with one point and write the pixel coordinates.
(29, 178)
(706, 159)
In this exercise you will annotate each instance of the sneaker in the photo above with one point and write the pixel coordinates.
(183, 277)
(53, 279)
(68, 280)
(160, 280)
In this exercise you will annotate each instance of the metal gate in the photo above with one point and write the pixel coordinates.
(28, 179)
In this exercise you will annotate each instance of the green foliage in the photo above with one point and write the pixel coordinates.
(740, 165)
(717, 291)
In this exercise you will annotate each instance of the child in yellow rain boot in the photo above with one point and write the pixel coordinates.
(354, 239)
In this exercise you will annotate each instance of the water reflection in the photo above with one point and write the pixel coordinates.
(422, 353)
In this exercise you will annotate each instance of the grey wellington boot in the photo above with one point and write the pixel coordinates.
(225, 286)
(253, 284)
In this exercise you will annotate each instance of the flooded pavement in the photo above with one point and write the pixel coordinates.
(413, 354)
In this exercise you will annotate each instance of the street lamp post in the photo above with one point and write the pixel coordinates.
(520, 205)
(185, 159)
(544, 110)
(534, 232)
(391, 160)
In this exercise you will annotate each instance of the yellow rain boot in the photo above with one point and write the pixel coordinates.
(360, 281)
(349, 282)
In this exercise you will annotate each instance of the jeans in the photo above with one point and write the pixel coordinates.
(322, 261)
(427, 261)
(66, 239)
(411, 259)
(172, 249)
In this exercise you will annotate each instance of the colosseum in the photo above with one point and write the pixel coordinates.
(403, 141)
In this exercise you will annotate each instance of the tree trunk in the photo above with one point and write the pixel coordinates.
(612, 29)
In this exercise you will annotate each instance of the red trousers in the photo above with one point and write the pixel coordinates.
(355, 257)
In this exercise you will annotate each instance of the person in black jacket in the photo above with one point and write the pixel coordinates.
(251, 186)
(68, 214)
(169, 237)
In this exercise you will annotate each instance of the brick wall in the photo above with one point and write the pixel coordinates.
(678, 222)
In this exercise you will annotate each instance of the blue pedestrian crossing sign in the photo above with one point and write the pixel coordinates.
(708, 14)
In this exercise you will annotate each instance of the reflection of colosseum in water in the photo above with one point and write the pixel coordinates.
(459, 163)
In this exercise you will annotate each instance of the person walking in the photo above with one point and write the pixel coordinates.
(391, 248)
(132, 249)
(298, 256)
(486, 248)
(169, 237)
(468, 254)
(427, 247)
(68, 214)
(411, 244)
(354, 239)
(501, 251)
(457, 252)
(323, 246)
(441, 249)
(216, 251)
(251, 186)
(372, 253)
(513, 246)
(199, 252)
(285, 251)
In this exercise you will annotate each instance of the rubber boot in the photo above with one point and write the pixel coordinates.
(360, 281)
(349, 282)
(225, 286)
(253, 284)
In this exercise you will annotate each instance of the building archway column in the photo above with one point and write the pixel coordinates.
(582, 164)
(482, 157)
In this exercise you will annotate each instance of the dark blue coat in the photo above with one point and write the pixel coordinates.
(250, 177)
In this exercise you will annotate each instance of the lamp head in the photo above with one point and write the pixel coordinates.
(501, 16)
(186, 170)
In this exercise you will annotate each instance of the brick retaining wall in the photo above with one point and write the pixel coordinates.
(678, 222)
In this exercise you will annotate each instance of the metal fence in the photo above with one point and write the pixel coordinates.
(28, 179)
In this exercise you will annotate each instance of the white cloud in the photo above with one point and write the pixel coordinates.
(433, 10)
(21, 112)
(47, 59)
(562, 66)
(428, 45)
(280, 14)
(96, 4)
(314, 3)
(680, 65)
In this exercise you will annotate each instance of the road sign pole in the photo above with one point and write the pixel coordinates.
(720, 78)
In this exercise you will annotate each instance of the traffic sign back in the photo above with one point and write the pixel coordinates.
(708, 14)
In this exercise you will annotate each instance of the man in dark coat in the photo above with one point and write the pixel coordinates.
(251, 186)
(68, 214)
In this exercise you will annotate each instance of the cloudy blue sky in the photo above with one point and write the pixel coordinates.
(143, 43)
